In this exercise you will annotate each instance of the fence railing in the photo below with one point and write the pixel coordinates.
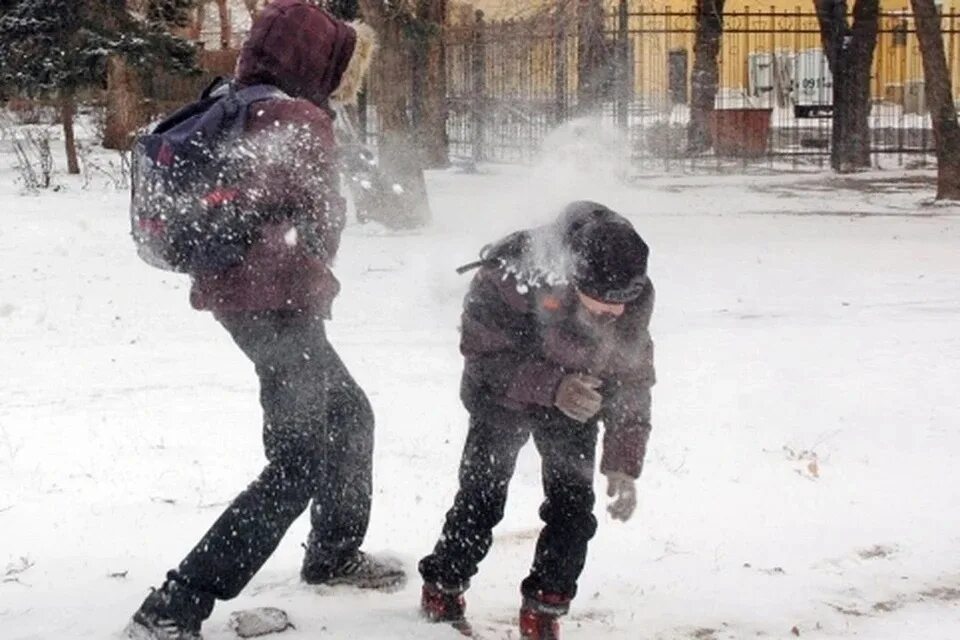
(510, 83)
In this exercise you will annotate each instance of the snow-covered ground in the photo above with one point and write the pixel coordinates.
(802, 476)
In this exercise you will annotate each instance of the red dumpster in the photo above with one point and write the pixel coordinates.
(740, 133)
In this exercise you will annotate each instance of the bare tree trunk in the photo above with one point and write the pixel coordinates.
(946, 129)
(124, 113)
(866, 19)
(850, 53)
(196, 26)
(430, 78)
(67, 114)
(706, 73)
(400, 153)
(226, 28)
(477, 74)
(591, 55)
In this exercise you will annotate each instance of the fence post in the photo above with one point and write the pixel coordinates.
(478, 87)
(560, 62)
(622, 81)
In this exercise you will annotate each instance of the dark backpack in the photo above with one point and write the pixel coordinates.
(184, 210)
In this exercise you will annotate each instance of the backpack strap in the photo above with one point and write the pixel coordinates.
(484, 261)
(237, 101)
(260, 92)
(216, 86)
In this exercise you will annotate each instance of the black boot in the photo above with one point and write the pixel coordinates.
(168, 613)
(358, 570)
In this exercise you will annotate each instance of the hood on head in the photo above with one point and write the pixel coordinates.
(579, 213)
(303, 50)
(608, 256)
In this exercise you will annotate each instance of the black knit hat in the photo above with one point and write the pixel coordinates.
(609, 258)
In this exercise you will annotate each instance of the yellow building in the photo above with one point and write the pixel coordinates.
(505, 9)
(762, 41)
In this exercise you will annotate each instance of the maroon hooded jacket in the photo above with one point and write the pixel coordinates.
(303, 51)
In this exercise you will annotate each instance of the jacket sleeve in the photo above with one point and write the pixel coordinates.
(500, 343)
(626, 412)
(297, 172)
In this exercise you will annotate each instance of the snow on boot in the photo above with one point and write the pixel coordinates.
(164, 615)
(150, 627)
(361, 570)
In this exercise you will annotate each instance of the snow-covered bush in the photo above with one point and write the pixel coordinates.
(33, 159)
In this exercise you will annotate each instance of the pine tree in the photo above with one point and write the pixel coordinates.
(56, 48)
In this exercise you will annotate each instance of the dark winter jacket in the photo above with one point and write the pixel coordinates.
(294, 185)
(521, 335)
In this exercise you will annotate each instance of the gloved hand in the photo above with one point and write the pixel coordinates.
(624, 489)
(577, 396)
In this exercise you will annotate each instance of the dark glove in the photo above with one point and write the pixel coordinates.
(577, 396)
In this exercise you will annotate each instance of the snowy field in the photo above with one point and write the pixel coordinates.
(802, 475)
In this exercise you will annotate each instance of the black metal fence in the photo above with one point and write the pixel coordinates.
(512, 82)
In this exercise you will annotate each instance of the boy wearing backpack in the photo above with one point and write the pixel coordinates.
(555, 340)
(263, 269)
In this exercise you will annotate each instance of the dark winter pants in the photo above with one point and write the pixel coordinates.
(489, 457)
(318, 436)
